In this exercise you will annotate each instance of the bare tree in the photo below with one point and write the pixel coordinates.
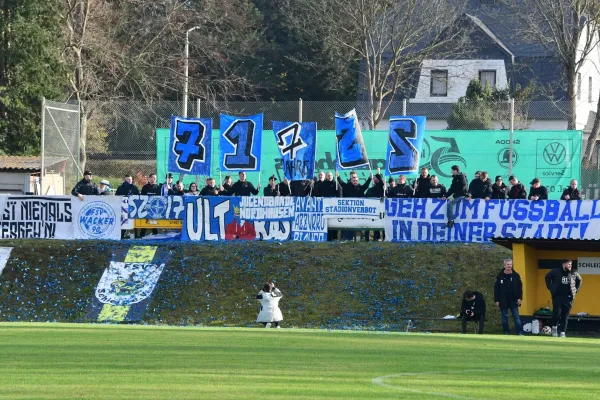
(565, 28)
(388, 38)
(133, 49)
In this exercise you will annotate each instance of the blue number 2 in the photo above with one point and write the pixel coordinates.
(404, 156)
(241, 136)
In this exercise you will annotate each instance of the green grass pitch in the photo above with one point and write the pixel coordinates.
(64, 361)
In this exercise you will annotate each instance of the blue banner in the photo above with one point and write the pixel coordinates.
(297, 143)
(156, 207)
(240, 143)
(237, 218)
(351, 150)
(310, 224)
(190, 146)
(405, 142)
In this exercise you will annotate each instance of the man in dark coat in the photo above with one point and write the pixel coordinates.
(329, 188)
(210, 189)
(127, 188)
(271, 189)
(537, 191)
(508, 294)
(243, 187)
(421, 185)
(377, 190)
(456, 193)
(318, 183)
(517, 190)
(352, 189)
(436, 190)
(499, 189)
(301, 187)
(403, 190)
(85, 187)
(151, 188)
(563, 284)
(472, 309)
(480, 188)
(571, 193)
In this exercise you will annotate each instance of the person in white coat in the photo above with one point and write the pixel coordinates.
(269, 314)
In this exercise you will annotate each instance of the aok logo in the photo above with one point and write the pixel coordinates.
(554, 153)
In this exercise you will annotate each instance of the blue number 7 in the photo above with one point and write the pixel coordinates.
(241, 136)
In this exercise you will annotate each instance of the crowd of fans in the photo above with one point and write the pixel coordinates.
(324, 185)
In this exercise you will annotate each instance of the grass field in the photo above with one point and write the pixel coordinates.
(67, 361)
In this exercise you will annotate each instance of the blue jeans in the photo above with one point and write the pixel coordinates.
(515, 313)
(451, 206)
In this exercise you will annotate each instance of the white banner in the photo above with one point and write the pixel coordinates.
(588, 265)
(4, 255)
(424, 220)
(126, 283)
(97, 217)
(36, 217)
(335, 207)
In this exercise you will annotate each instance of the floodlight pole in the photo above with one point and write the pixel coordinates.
(187, 69)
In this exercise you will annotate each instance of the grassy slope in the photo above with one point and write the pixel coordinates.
(48, 361)
(351, 285)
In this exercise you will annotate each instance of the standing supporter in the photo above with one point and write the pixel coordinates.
(85, 187)
(390, 187)
(226, 186)
(318, 184)
(571, 193)
(301, 188)
(480, 188)
(270, 314)
(210, 189)
(353, 189)
(402, 189)
(377, 190)
(284, 188)
(243, 187)
(271, 189)
(472, 309)
(193, 190)
(330, 188)
(436, 190)
(167, 187)
(563, 285)
(421, 184)
(537, 191)
(517, 189)
(104, 189)
(177, 189)
(508, 293)
(127, 188)
(457, 192)
(151, 188)
(499, 189)
(475, 180)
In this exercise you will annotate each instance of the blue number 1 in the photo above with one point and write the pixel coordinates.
(241, 135)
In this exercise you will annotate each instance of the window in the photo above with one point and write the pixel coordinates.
(487, 77)
(590, 91)
(578, 86)
(439, 83)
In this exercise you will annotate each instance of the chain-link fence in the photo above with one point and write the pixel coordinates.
(120, 136)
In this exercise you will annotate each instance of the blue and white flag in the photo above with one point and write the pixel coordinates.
(404, 144)
(351, 150)
(240, 143)
(190, 147)
(297, 143)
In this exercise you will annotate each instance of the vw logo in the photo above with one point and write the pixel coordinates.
(555, 153)
(504, 156)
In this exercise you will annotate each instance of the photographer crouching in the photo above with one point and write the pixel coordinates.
(270, 314)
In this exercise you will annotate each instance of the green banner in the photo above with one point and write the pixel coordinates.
(552, 156)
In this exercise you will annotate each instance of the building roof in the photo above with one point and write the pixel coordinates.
(552, 244)
(27, 163)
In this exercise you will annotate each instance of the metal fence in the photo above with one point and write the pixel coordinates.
(120, 136)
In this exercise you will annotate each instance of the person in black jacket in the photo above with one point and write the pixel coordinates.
(210, 189)
(571, 193)
(243, 187)
(472, 309)
(499, 189)
(421, 184)
(377, 190)
(318, 183)
(127, 188)
(457, 192)
(284, 188)
(85, 187)
(508, 294)
(474, 181)
(563, 284)
(177, 189)
(403, 190)
(151, 188)
(271, 189)
(481, 188)
(436, 190)
(352, 189)
(517, 190)
(390, 187)
(537, 191)
(301, 187)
